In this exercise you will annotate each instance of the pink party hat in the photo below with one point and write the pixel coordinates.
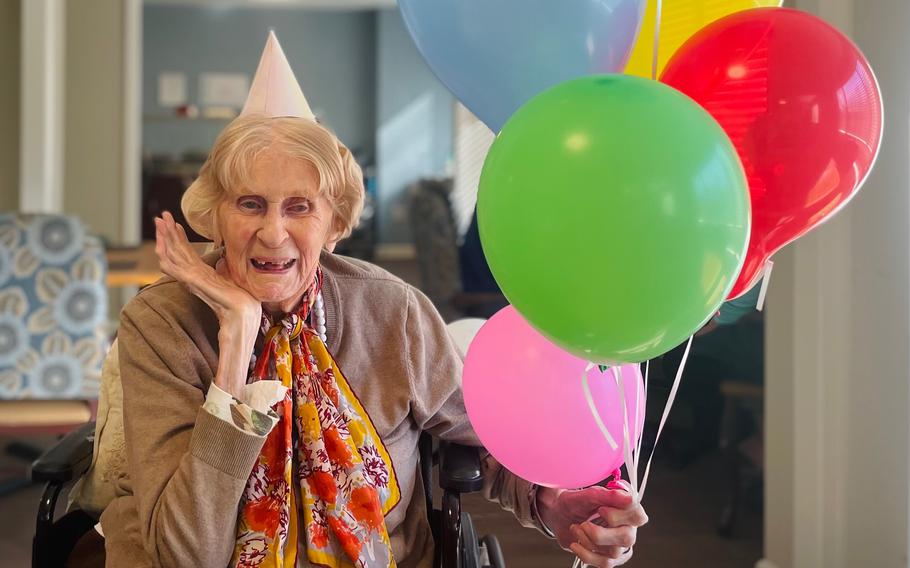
(275, 91)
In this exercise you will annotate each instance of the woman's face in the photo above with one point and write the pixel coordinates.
(275, 228)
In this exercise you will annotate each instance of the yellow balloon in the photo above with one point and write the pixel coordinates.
(679, 21)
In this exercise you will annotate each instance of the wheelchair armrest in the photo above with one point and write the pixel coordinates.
(68, 459)
(459, 468)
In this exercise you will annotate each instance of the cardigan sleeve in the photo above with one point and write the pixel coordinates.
(189, 468)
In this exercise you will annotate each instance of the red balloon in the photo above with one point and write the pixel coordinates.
(802, 106)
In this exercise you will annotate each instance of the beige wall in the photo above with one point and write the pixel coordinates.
(93, 108)
(10, 23)
(93, 153)
(837, 364)
(780, 416)
(878, 439)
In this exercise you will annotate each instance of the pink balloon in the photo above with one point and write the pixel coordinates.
(526, 401)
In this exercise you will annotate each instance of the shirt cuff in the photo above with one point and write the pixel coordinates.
(252, 411)
(535, 513)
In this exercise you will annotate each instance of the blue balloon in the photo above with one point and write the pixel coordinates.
(495, 55)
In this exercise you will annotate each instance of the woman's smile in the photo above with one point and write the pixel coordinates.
(272, 265)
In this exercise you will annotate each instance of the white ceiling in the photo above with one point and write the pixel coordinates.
(307, 4)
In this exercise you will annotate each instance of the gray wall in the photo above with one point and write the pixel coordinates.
(10, 18)
(415, 115)
(331, 54)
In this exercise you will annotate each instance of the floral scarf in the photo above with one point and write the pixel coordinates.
(323, 463)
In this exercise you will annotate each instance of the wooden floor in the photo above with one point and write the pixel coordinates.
(683, 507)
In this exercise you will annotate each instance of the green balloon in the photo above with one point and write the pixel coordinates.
(614, 214)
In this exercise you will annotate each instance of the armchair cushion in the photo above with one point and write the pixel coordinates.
(107, 477)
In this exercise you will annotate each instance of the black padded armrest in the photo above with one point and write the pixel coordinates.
(459, 468)
(68, 459)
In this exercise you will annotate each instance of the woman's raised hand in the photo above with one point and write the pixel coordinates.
(212, 285)
(239, 314)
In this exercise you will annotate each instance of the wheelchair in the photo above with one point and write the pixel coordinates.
(456, 542)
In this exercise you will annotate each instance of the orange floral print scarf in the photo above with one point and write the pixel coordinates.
(322, 465)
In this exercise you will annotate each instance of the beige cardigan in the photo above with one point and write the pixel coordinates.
(188, 469)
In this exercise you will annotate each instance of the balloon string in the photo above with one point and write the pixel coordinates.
(586, 388)
(663, 418)
(654, 57)
(641, 394)
(593, 407)
(627, 449)
(637, 420)
(630, 455)
(766, 279)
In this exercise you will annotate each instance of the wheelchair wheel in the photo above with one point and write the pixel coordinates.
(469, 547)
(490, 545)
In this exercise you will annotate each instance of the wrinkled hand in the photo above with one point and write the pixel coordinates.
(605, 541)
(179, 260)
(239, 314)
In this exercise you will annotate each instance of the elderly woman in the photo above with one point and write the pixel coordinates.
(274, 392)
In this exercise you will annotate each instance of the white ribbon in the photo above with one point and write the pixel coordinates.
(628, 449)
(766, 280)
(654, 57)
(663, 418)
(641, 434)
(593, 407)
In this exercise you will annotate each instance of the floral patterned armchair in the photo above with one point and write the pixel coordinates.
(53, 308)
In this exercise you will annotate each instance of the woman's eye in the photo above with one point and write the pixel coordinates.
(248, 205)
(299, 208)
